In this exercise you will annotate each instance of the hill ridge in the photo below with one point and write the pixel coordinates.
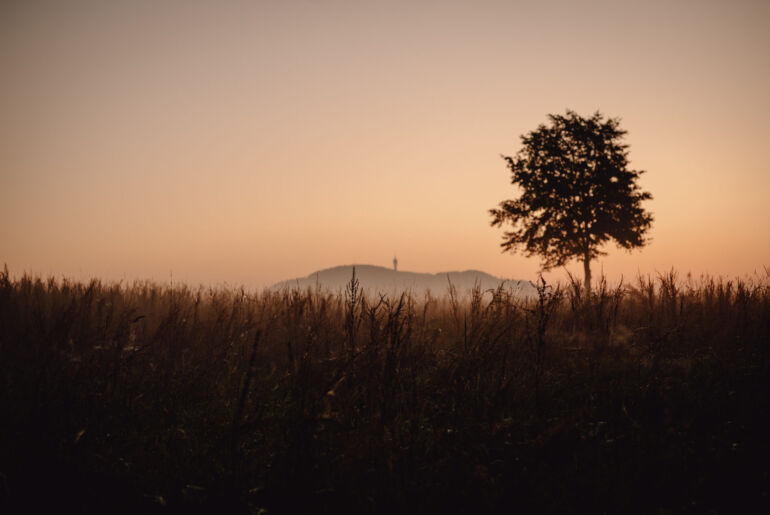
(387, 280)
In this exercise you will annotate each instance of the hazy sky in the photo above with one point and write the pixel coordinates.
(250, 142)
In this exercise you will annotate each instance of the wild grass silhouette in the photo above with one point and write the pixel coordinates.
(649, 397)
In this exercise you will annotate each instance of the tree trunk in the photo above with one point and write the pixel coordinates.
(587, 272)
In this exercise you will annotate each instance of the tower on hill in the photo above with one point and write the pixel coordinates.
(395, 264)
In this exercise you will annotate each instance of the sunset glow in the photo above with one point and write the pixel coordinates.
(265, 140)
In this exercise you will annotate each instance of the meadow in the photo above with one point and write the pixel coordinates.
(649, 397)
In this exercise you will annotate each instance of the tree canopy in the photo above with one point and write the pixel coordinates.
(577, 193)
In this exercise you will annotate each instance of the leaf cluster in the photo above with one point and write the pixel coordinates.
(577, 192)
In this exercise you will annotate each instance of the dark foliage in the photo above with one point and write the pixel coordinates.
(577, 192)
(149, 398)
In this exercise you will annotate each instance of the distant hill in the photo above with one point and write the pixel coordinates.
(386, 280)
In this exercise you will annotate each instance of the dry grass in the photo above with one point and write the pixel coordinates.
(644, 398)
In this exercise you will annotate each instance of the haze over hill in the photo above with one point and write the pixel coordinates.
(387, 280)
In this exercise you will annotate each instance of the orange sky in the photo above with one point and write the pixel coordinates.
(258, 141)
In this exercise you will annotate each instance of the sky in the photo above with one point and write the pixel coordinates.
(244, 143)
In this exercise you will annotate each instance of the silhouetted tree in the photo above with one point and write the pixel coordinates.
(576, 193)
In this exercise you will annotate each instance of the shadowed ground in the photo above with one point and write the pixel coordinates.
(651, 398)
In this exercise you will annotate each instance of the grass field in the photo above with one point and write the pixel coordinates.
(650, 397)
